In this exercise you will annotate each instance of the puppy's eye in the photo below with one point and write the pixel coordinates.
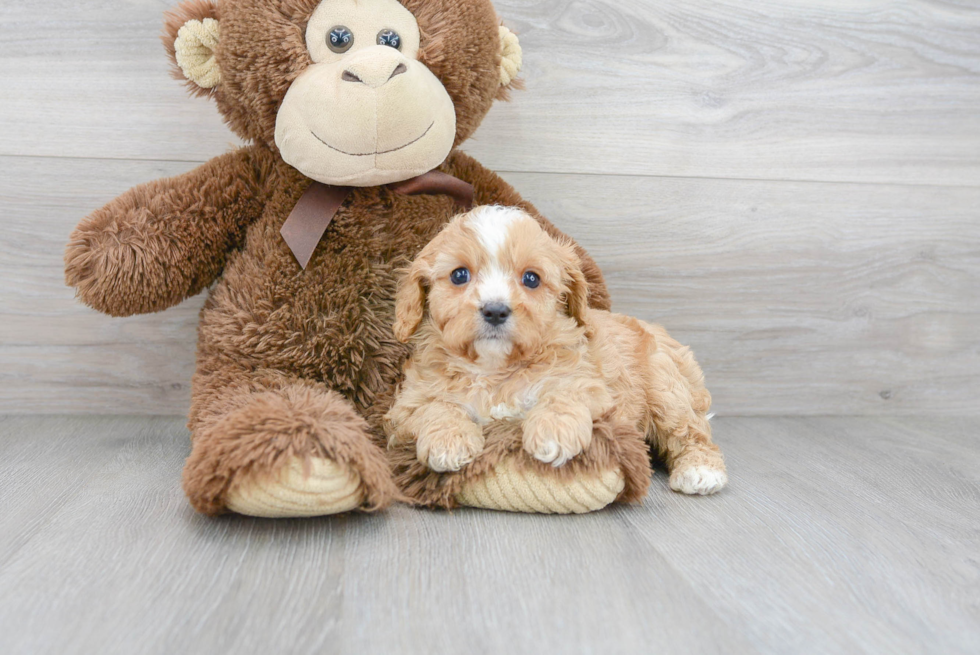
(389, 38)
(531, 280)
(339, 38)
(460, 276)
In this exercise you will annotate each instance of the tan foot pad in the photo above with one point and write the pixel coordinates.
(511, 490)
(330, 488)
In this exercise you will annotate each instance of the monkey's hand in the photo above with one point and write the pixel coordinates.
(166, 240)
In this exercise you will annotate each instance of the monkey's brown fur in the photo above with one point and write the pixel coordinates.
(291, 361)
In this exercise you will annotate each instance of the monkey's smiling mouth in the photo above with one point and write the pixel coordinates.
(376, 152)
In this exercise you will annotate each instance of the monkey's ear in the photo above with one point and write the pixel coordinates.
(510, 61)
(190, 34)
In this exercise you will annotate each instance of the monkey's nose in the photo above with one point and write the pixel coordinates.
(373, 72)
(495, 313)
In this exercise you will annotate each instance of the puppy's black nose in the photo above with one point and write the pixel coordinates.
(495, 313)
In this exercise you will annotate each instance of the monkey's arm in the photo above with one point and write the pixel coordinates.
(490, 189)
(166, 240)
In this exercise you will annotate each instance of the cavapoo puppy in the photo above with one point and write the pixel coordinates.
(502, 330)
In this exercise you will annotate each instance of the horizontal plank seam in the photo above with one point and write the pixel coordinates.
(565, 173)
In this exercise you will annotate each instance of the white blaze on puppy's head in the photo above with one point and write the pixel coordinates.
(492, 225)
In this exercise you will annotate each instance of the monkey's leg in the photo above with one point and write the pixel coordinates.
(265, 443)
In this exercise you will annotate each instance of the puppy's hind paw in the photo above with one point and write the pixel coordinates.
(699, 480)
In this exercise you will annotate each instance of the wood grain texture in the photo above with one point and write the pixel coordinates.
(838, 90)
(798, 298)
(849, 535)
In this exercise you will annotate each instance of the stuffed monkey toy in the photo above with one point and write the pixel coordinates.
(353, 111)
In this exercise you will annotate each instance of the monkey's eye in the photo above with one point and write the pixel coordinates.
(531, 280)
(340, 39)
(460, 276)
(390, 38)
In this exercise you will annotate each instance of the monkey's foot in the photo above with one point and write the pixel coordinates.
(313, 487)
(294, 451)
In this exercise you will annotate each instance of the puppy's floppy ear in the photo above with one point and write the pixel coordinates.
(410, 300)
(577, 296)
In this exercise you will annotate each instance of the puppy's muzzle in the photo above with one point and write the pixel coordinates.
(495, 313)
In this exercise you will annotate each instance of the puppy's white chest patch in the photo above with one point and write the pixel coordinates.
(483, 410)
(503, 411)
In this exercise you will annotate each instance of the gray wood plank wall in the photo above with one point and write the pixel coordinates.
(791, 188)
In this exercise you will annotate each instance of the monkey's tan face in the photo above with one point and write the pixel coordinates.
(367, 112)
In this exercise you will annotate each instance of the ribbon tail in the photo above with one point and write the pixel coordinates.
(310, 218)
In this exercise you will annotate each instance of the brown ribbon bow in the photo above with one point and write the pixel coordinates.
(311, 216)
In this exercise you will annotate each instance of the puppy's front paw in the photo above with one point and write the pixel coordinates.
(556, 437)
(701, 480)
(449, 448)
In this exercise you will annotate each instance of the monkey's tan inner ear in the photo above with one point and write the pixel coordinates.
(194, 48)
(510, 56)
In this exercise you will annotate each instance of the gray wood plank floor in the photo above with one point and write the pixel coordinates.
(836, 535)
